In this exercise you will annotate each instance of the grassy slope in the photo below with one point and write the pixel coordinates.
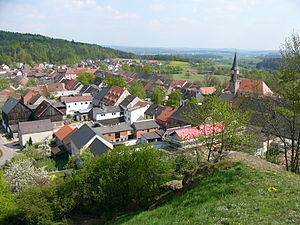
(236, 194)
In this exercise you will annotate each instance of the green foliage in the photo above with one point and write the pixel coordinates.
(234, 194)
(4, 83)
(136, 88)
(193, 100)
(32, 82)
(158, 95)
(174, 99)
(86, 78)
(6, 198)
(171, 58)
(231, 123)
(29, 48)
(111, 80)
(80, 160)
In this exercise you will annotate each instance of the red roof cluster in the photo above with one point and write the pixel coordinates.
(254, 87)
(113, 94)
(199, 131)
(166, 114)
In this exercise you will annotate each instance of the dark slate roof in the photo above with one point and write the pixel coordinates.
(99, 96)
(234, 64)
(37, 126)
(43, 107)
(113, 121)
(113, 129)
(183, 112)
(9, 105)
(83, 135)
(187, 94)
(127, 100)
(155, 110)
(97, 147)
(144, 125)
(98, 81)
(151, 135)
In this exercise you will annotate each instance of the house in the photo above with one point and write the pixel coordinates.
(77, 104)
(135, 113)
(181, 116)
(145, 126)
(87, 137)
(117, 133)
(106, 112)
(129, 102)
(182, 137)
(62, 136)
(164, 119)
(154, 136)
(98, 82)
(97, 101)
(14, 112)
(153, 111)
(37, 131)
(36, 100)
(115, 96)
(29, 94)
(74, 85)
(46, 110)
(58, 90)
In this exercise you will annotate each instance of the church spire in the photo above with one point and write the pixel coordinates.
(234, 81)
(234, 64)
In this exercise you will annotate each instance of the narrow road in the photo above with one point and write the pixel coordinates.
(8, 150)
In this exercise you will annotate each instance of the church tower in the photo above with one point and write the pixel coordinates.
(234, 81)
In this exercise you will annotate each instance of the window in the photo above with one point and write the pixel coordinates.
(86, 102)
(113, 114)
(90, 103)
(81, 103)
(102, 114)
(69, 106)
(75, 103)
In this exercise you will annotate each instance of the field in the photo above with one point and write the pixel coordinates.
(235, 194)
(183, 65)
(196, 77)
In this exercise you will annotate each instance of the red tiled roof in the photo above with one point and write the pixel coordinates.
(176, 83)
(28, 96)
(199, 131)
(78, 99)
(207, 90)
(70, 84)
(63, 132)
(56, 86)
(39, 88)
(254, 87)
(113, 94)
(142, 104)
(166, 114)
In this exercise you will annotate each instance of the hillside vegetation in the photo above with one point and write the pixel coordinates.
(32, 48)
(236, 193)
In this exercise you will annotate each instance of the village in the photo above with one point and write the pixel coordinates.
(99, 117)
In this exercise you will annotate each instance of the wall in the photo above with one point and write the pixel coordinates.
(97, 116)
(76, 106)
(134, 115)
(35, 137)
(138, 133)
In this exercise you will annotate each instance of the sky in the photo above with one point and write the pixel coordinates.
(241, 24)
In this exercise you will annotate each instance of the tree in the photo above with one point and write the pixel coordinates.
(223, 128)
(31, 82)
(137, 89)
(193, 100)
(158, 95)
(22, 173)
(174, 99)
(6, 198)
(4, 83)
(284, 120)
(115, 81)
(86, 78)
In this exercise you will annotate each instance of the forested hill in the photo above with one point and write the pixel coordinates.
(32, 48)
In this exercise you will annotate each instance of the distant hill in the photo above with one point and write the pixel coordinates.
(33, 48)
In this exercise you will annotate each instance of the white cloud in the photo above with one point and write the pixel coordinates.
(158, 6)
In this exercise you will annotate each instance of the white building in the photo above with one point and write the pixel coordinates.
(107, 112)
(77, 104)
(135, 113)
